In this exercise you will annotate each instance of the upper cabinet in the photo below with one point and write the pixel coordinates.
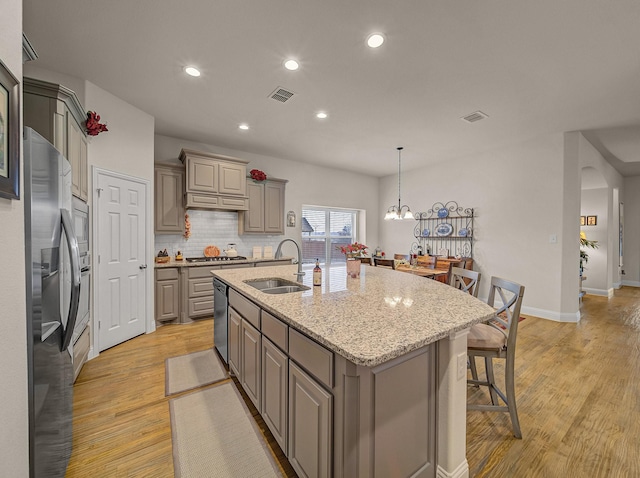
(266, 208)
(169, 191)
(215, 181)
(55, 112)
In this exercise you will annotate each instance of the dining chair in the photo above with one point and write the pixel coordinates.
(427, 261)
(384, 262)
(465, 280)
(401, 257)
(497, 340)
(446, 264)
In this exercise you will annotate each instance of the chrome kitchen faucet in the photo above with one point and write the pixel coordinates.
(279, 255)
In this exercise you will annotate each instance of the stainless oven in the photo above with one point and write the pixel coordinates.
(81, 224)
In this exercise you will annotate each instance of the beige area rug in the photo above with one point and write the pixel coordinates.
(193, 370)
(214, 436)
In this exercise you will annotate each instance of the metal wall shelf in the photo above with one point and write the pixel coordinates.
(446, 226)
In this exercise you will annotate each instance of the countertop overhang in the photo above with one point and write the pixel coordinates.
(369, 320)
(248, 260)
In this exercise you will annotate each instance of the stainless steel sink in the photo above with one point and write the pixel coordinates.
(276, 286)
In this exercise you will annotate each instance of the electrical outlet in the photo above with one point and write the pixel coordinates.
(462, 365)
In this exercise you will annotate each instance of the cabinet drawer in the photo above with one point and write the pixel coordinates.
(239, 204)
(201, 200)
(200, 287)
(200, 306)
(201, 272)
(166, 274)
(312, 356)
(276, 330)
(245, 308)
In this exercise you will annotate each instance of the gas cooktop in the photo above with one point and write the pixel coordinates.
(215, 259)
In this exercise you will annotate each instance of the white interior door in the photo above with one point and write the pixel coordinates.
(121, 262)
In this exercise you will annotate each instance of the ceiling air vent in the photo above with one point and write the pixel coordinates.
(473, 117)
(281, 95)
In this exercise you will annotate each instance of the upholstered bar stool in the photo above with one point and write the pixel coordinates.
(497, 340)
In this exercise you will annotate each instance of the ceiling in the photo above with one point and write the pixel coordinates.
(534, 68)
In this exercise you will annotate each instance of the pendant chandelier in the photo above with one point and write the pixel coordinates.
(399, 212)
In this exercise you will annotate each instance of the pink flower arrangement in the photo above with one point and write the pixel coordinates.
(93, 125)
(257, 175)
(353, 249)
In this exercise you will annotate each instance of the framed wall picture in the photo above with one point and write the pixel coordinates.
(9, 134)
(592, 220)
(583, 220)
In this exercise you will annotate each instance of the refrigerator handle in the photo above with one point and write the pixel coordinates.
(74, 258)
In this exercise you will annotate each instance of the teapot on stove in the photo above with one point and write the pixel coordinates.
(230, 251)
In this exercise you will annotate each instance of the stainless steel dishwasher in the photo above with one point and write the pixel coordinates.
(220, 318)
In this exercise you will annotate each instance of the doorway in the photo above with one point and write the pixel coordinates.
(120, 232)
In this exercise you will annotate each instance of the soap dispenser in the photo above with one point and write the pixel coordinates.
(317, 274)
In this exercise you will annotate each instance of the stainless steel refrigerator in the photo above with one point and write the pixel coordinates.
(53, 291)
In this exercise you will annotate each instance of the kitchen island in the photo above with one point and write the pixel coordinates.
(360, 376)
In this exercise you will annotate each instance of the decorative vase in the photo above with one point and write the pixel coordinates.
(353, 267)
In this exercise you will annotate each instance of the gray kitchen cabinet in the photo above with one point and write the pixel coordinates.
(55, 112)
(289, 378)
(233, 337)
(330, 416)
(199, 288)
(266, 208)
(250, 362)
(310, 425)
(214, 181)
(168, 203)
(275, 396)
(167, 294)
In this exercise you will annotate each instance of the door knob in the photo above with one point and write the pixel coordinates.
(143, 266)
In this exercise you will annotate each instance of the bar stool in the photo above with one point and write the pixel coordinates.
(497, 340)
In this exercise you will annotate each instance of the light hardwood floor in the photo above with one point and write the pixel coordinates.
(577, 385)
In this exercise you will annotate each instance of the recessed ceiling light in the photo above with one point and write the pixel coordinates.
(244, 126)
(191, 70)
(291, 65)
(375, 40)
(321, 115)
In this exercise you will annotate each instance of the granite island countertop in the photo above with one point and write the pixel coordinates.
(369, 320)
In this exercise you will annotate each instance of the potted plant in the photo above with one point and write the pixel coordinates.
(584, 257)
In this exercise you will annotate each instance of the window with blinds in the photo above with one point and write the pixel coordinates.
(324, 230)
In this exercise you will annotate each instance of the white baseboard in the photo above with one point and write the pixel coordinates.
(601, 292)
(631, 283)
(545, 314)
(462, 471)
(552, 315)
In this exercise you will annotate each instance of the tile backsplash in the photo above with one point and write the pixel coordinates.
(217, 228)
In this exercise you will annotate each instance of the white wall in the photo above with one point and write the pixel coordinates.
(308, 184)
(127, 148)
(631, 224)
(14, 438)
(517, 194)
(594, 203)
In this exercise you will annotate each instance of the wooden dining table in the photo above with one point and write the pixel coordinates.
(421, 271)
